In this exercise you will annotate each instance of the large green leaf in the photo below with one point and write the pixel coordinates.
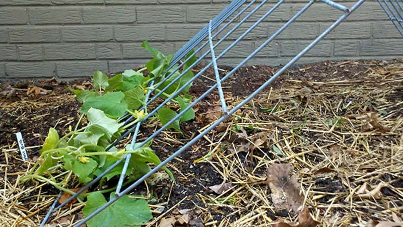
(125, 211)
(134, 97)
(51, 140)
(111, 103)
(165, 115)
(83, 95)
(97, 117)
(188, 115)
(84, 171)
(100, 80)
(93, 133)
(115, 83)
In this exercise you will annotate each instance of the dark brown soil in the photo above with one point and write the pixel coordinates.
(34, 115)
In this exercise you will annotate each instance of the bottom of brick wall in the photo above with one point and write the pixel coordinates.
(69, 70)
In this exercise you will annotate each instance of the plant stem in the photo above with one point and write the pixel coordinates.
(58, 186)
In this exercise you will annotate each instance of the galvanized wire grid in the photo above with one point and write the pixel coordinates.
(394, 10)
(231, 19)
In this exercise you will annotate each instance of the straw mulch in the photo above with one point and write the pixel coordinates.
(340, 137)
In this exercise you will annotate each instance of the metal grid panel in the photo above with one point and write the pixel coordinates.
(203, 39)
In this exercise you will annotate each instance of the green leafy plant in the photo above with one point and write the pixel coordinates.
(80, 155)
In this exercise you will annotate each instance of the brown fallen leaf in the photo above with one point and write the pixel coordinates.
(180, 218)
(284, 187)
(220, 188)
(66, 196)
(37, 91)
(305, 220)
(372, 223)
(324, 170)
(372, 120)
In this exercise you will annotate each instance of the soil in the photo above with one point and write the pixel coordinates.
(34, 114)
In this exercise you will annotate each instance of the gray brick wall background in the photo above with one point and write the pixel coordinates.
(68, 39)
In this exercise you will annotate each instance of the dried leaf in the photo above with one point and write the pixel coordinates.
(220, 188)
(305, 220)
(324, 171)
(213, 113)
(167, 222)
(37, 91)
(66, 196)
(284, 188)
(372, 223)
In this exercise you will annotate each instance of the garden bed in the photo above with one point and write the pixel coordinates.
(338, 124)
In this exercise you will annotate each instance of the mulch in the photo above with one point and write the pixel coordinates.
(336, 125)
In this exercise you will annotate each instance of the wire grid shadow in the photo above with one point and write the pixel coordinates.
(394, 10)
(222, 35)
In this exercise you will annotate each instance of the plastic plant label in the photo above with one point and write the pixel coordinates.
(21, 146)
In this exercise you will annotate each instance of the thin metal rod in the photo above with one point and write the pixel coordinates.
(392, 12)
(399, 5)
(395, 23)
(183, 112)
(204, 44)
(197, 39)
(50, 210)
(399, 13)
(131, 147)
(336, 5)
(219, 85)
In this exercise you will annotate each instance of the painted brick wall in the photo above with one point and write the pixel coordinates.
(74, 38)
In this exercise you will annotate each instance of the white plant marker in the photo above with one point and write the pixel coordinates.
(21, 146)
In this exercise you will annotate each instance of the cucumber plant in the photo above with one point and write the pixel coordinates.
(80, 155)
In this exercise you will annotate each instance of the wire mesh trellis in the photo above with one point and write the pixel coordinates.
(229, 22)
(394, 10)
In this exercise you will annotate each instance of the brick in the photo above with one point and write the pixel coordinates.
(292, 48)
(77, 2)
(271, 50)
(12, 15)
(70, 69)
(109, 14)
(3, 35)
(30, 52)
(54, 15)
(351, 30)
(2, 71)
(369, 11)
(385, 29)
(318, 12)
(381, 47)
(260, 31)
(346, 47)
(136, 51)
(184, 1)
(24, 2)
(296, 31)
(69, 51)
(282, 13)
(182, 32)
(34, 35)
(116, 66)
(30, 69)
(131, 2)
(241, 49)
(87, 33)
(166, 14)
(203, 13)
(140, 32)
(109, 51)
(8, 52)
